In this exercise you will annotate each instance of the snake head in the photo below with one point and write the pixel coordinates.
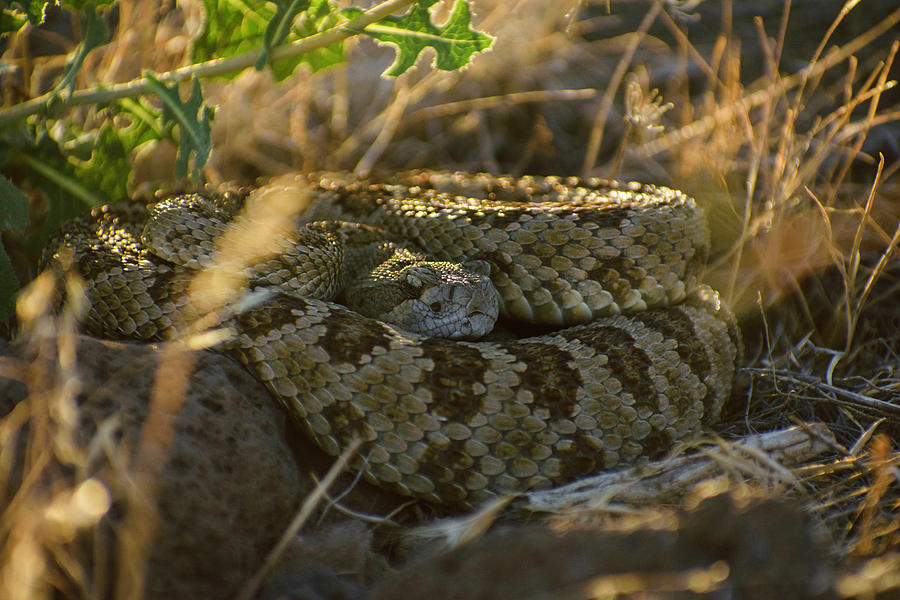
(433, 298)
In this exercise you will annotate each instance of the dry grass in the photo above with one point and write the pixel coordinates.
(776, 129)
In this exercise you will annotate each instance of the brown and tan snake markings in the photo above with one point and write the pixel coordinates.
(637, 354)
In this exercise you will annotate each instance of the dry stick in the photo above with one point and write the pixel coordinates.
(782, 31)
(593, 149)
(845, 10)
(754, 99)
(867, 123)
(212, 68)
(667, 478)
(485, 102)
(883, 261)
(757, 149)
(851, 398)
(880, 87)
(849, 268)
(373, 126)
(309, 503)
(692, 50)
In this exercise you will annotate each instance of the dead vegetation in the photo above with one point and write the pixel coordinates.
(781, 120)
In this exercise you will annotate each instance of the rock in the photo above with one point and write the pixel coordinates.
(761, 551)
(227, 482)
(334, 563)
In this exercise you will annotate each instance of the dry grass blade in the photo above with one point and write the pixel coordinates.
(596, 137)
(49, 497)
(726, 112)
(663, 480)
(834, 394)
(505, 100)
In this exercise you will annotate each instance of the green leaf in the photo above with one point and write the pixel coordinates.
(33, 9)
(236, 26)
(47, 164)
(108, 166)
(11, 21)
(9, 285)
(38, 159)
(230, 28)
(455, 42)
(320, 16)
(13, 216)
(278, 28)
(14, 204)
(96, 33)
(147, 123)
(192, 118)
(79, 5)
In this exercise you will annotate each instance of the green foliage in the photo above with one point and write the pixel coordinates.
(320, 16)
(33, 10)
(146, 123)
(230, 28)
(195, 132)
(74, 168)
(84, 5)
(279, 27)
(233, 28)
(79, 172)
(13, 17)
(15, 206)
(455, 42)
(11, 21)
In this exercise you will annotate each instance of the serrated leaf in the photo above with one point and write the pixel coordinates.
(278, 27)
(192, 118)
(454, 42)
(14, 205)
(96, 33)
(233, 27)
(230, 28)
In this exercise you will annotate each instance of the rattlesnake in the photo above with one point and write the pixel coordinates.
(633, 353)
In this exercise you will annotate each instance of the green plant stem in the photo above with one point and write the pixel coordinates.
(68, 184)
(212, 68)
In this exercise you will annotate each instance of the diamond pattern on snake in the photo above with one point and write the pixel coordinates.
(367, 308)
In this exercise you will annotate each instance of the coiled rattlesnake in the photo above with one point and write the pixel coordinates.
(639, 355)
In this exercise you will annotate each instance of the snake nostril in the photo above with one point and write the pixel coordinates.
(435, 306)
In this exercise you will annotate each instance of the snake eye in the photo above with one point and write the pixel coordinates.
(414, 280)
(435, 306)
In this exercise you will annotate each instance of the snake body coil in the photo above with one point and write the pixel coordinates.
(641, 356)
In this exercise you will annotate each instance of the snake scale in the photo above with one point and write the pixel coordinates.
(628, 353)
